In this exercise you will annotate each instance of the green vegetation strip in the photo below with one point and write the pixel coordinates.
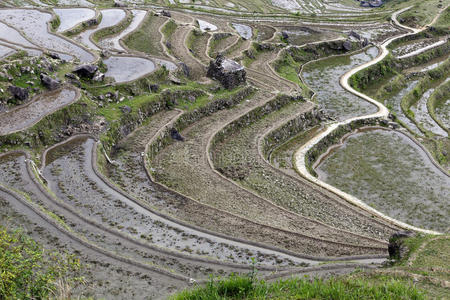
(84, 26)
(113, 30)
(432, 78)
(147, 38)
(438, 99)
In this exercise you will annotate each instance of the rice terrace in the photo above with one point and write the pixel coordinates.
(224, 149)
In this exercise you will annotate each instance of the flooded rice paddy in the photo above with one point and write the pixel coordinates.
(388, 171)
(113, 42)
(244, 31)
(27, 115)
(70, 17)
(11, 35)
(110, 17)
(422, 116)
(6, 51)
(69, 172)
(33, 24)
(127, 68)
(394, 104)
(323, 77)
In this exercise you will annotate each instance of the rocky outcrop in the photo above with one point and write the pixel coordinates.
(18, 92)
(119, 4)
(86, 71)
(228, 72)
(50, 83)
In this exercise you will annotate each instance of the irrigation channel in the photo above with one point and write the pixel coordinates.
(363, 190)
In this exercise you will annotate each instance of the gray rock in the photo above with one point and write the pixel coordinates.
(228, 72)
(119, 4)
(72, 76)
(166, 13)
(176, 135)
(86, 71)
(18, 92)
(91, 22)
(185, 69)
(50, 83)
(54, 55)
(105, 53)
(354, 34)
(125, 109)
(347, 45)
(285, 35)
(99, 76)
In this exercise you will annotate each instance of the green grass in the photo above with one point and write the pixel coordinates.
(244, 287)
(168, 29)
(392, 282)
(113, 30)
(147, 38)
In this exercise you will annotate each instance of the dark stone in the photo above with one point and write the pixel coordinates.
(99, 76)
(119, 4)
(228, 72)
(50, 83)
(347, 45)
(105, 53)
(365, 42)
(18, 92)
(54, 55)
(153, 88)
(168, 45)
(71, 76)
(87, 71)
(185, 69)
(125, 109)
(166, 13)
(396, 248)
(285, 35)
(355, 35)
(176, 135)
(91, 22)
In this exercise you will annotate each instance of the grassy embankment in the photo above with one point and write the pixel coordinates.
(419, 275)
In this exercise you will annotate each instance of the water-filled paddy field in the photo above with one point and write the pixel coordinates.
(388, 171)
(323, 77)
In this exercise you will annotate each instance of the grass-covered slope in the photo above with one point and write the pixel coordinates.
(421, 274)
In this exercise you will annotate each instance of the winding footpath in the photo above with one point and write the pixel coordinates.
(300, 155)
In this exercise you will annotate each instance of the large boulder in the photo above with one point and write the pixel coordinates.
(119, 4)
(50, 83)
(227, 71)
(347, 45)
(86, 71)
(18, 92)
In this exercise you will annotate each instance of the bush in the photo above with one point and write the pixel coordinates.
(29, 272)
